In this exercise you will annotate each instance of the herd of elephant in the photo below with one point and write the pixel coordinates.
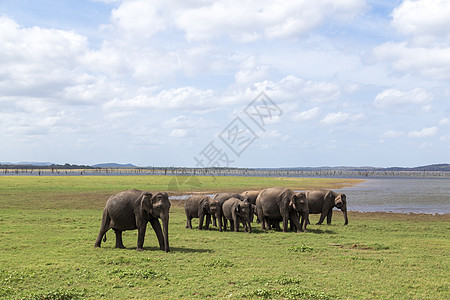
(133, 209)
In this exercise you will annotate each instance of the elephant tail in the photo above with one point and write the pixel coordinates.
(104, 238)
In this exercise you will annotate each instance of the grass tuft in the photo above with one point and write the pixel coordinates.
(219, 263)
(301, 248)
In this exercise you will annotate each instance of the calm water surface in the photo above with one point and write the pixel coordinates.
(400, 195)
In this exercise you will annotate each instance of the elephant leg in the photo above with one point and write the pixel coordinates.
(187, 218)
(224, 223)
(268, 224)
(303, 222)
(219, 220)
(157, 228)
(263, 223)
(285, 223)
(119, 243)
(322, 217)
(214, 221)
(141, 237)
(236, 224)
(249, 227)
(189, 222)
(291, 226)
(293, 217)
(329, 215)
(208, 221)
(200, 221)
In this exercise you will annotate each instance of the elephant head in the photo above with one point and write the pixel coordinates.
(340, 201)
(205, 206)
(244, 210)
(298, 203)
(213, 206)
(157, 206)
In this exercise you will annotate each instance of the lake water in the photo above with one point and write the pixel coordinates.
(400, 195)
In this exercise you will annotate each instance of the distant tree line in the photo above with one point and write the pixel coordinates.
(68, 169)
(44, 167)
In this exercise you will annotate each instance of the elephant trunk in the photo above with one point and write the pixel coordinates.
(305, 219)
(344, 210)
(165, 221)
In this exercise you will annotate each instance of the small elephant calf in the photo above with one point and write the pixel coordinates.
(238, 211)
(198, 206)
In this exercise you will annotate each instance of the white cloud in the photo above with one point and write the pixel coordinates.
(187, 98)
(432, 61)
(391, 134)
(423, 133)
(249, 21)
(308, 115)
(425, 21)
(444, 121)
(399, 101)
(37, 61)
(250, 72)
(139, 19)
(339, 118)
(426, 50)
(178, 133)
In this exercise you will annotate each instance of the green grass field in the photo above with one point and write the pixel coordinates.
(48, 226)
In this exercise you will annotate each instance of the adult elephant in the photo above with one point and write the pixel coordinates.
(322, 202)
(238, 211)
(133, 209)
(198, 206)
(275, 204)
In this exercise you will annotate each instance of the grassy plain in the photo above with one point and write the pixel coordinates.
(48, 226)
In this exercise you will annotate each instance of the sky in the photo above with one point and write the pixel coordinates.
(227, 83)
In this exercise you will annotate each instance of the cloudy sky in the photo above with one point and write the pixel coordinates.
(225, 83)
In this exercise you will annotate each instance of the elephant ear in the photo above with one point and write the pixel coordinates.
(205, 203)
(146, 202)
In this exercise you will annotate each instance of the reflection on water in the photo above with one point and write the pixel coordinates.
(400, 195)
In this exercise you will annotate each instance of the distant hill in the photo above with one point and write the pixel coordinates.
(113, 165)
(435, 167)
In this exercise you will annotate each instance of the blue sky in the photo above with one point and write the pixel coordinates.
(225, 83)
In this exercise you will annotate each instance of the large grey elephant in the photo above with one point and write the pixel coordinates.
(323, 201)
(217, 201)
(282, 204)
(198, 206)
(132, 209)
(238, 211)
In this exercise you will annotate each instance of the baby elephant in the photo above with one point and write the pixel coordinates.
(198, 206)
(238, 211)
